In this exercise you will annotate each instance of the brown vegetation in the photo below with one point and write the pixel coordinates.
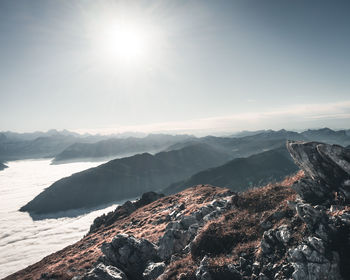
(239, 232)
(147, 222)
(224, 239)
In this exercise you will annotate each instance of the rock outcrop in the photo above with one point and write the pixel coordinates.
(327, 170)
(130, 254)
(180, 232)
(322, 252)
(307, 238)
(153, 270)
(141, 259)
(103, 272)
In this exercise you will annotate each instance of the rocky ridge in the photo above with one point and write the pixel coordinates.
(148, 222)
(142, 259)
(321, 252)
(295, 229)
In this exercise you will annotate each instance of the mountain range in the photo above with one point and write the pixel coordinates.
(117, 147)
(124, 178)
(15, 146)
(65, 146)
(236, 163)
(238, 145)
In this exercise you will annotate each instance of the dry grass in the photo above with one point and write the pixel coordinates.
(147, 222)
(235, 232)
(239, 230)
(184, 269)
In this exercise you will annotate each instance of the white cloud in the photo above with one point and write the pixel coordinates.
(296, 116)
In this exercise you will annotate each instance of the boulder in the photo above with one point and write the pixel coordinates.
(153, 270)
(103, 272)
(173, 241)
(316, 220)
(273, 245)
(310, 262)
(180, 232)
(130, 254)
(283, 234)
(187, 221)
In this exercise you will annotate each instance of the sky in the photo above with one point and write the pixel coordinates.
(174, 66)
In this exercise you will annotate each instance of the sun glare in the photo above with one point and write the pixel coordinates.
(124, 41)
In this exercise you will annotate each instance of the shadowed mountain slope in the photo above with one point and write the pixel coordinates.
(124, 178)
(243, 173)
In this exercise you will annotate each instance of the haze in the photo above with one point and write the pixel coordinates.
(181, 66)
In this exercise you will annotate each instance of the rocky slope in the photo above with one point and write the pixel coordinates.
(124, 178)
(243, 173)
(295, 229)
(148, 222)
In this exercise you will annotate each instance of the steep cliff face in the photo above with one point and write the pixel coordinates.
(296, 229)
(328, 172)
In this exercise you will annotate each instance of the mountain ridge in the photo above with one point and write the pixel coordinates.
(123, 178)
(244, 144)
(114, 147)
(243, 173)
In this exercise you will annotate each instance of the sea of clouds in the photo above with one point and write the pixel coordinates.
(24, 241)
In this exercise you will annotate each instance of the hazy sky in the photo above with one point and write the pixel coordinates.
(110, 66)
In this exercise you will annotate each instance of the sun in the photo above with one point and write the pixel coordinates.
(123, 41)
